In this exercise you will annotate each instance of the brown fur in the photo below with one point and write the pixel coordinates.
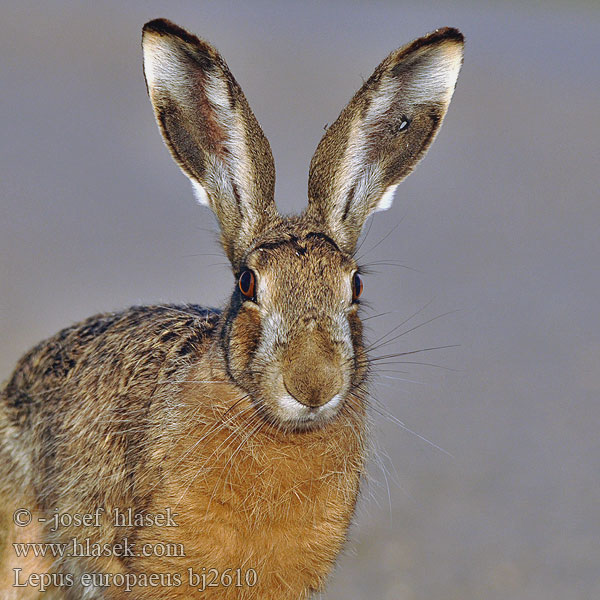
(249, 423)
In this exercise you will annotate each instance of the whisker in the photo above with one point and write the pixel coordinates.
(364, 237)
(402, 373)
(383, 314)
(376, 360)
(385, 263)
(380, 409)
(219, 254)
(397, 379)
(385, 237)
(372, 345)
(395, 355)
(414, 362)
(450, 312)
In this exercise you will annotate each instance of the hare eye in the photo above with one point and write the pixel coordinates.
(247, 283)
(357, 286)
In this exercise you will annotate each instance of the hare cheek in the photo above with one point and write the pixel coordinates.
(244, 338)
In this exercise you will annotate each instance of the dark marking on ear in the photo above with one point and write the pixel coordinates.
(434, 115)
(349, 202)
(204, 61)
(232, 87)
(175, 141)
(200, 54)
(400, 124)
(207, 134)
(236, 194)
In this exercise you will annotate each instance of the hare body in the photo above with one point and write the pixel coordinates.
(234, 440)
(74, 441)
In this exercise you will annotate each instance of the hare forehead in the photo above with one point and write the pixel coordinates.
(296, 253)
(308, 266)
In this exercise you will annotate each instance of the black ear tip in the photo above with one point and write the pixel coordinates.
(166, 27)
(450, 34)
(444, 36)
(158, 26)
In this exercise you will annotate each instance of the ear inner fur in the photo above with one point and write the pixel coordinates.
(382, 134)
(211, 132)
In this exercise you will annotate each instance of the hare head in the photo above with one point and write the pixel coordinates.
(291, 335)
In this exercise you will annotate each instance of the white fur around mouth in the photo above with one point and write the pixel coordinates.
(293, 410)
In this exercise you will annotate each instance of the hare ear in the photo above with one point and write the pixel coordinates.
(382, 134)
(211, 132)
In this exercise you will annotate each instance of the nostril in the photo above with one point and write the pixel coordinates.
(310, 317)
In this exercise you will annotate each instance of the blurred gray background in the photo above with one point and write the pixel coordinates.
(500, 223)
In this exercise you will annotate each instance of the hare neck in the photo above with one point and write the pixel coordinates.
(243, 488)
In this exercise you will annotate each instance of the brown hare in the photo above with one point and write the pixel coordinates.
(179, 451)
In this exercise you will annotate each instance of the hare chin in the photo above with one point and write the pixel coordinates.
(292, 411)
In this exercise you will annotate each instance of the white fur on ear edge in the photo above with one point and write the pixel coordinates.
(199, 193)
(386, 200)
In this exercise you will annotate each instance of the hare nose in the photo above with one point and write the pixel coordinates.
(311, 369)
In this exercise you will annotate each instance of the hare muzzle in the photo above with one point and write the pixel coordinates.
(311, 368)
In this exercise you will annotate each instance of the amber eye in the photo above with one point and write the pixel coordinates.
(357, 286)
(246, 283)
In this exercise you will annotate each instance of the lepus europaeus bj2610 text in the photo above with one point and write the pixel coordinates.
(235, 436)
